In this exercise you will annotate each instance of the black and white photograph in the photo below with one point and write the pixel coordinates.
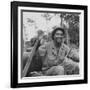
(50, 44)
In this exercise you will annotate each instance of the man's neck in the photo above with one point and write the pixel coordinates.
(58, 45)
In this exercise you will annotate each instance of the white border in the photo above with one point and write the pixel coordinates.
(53, 78)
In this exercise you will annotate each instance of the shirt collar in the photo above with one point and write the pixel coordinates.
(53, 46)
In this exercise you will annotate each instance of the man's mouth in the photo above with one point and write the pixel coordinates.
(58, 39)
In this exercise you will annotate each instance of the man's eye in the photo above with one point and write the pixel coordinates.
(59, 34)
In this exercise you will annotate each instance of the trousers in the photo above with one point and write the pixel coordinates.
(67, 67)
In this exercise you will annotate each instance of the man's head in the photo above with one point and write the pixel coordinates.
(58, 35)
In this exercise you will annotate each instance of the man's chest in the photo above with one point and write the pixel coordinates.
(53, 53)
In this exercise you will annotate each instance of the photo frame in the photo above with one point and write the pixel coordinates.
(27, 16)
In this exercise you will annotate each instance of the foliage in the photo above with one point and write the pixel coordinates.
(73, 31)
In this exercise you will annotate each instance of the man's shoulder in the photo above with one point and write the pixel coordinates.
(46, 45)
(49, 43)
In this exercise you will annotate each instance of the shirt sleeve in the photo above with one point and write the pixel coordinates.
(74, 55)
(42, 50)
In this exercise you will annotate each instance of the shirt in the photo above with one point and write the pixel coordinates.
(52, 56)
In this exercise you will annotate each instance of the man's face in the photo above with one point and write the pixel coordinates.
(58, 37)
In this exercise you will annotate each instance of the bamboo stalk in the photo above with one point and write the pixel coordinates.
(24, 73)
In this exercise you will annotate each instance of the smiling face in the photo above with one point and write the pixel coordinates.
(58, 36)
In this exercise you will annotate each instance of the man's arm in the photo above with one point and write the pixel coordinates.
(74, 55)
(42, 50)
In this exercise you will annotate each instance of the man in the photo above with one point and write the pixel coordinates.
(58, 58)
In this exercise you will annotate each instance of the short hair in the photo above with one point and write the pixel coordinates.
(57, 29)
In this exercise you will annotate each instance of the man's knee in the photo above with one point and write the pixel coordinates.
(59, 70)
(72, 68)
(55, 70)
